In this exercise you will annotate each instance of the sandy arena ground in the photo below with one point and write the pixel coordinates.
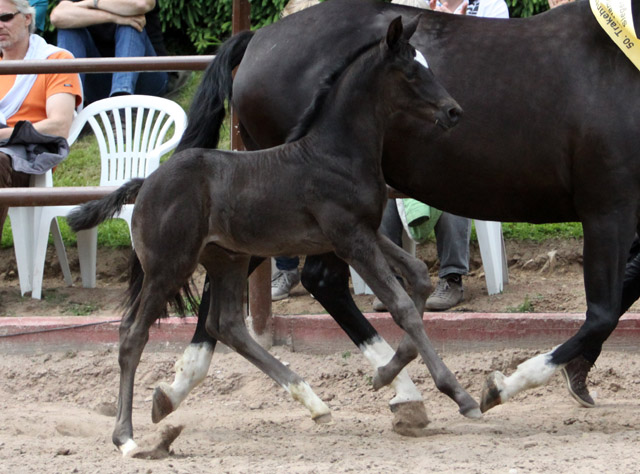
(57, 417)
(58, 408)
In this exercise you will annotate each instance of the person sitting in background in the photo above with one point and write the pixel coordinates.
(40, 7)
(37, 107)
(109, 28)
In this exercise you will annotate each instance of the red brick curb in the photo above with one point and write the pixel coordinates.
(320, 334)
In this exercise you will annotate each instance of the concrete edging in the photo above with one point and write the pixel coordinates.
(320, 334)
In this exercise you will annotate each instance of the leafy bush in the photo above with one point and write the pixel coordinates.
(525, 8)
(207, 23)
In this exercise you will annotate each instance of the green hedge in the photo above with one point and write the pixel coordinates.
(207, 23)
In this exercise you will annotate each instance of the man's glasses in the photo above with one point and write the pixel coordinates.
(7, 17)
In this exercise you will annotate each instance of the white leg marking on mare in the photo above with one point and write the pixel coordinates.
(303, 393)
(378, 352)
(191, 370)
(128, 447)
(531, 373)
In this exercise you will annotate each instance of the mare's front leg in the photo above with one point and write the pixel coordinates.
(363, 252)
(326, 277)
(606, 244)
(225, 322)
(192, 368)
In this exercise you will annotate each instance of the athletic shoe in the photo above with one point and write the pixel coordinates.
(282, 282)
(448, 293)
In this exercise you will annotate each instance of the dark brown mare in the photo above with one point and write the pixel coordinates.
(322, 191)
(550, 134)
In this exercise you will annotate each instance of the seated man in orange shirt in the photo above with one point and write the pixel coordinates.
(47, 101)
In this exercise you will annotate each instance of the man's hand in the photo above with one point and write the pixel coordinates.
(137, 21)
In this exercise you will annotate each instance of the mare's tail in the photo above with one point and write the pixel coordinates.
(93, 213)
(208, 107)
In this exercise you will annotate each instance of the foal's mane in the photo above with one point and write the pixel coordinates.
(315, 107)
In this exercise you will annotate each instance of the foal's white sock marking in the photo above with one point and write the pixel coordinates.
(128, 447)
(378, 352)
(191, 369)
(531, 373)
(303, 393)
(421, 59)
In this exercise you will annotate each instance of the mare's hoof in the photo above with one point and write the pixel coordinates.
(410, 419)
(160, 445)
(491, 391)
(162, 405)
(322, 419)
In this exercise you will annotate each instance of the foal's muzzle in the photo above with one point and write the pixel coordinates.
(449, 116)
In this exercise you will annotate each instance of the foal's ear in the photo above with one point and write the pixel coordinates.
(411, 27)
(394, 33)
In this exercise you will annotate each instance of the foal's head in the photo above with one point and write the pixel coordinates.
(409, 82)
(391, 74)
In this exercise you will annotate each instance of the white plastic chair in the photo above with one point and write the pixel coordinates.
(23, 225)
(142, 125)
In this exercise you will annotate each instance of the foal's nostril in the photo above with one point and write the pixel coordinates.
(454, 114)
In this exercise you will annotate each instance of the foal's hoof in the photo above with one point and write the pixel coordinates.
(159, 445)
(382, 378)
(162, 405)
(322, 419)
(491, 391)
(410, 419)
(474, 413)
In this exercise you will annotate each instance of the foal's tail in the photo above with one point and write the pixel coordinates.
(93, 213)
(208, 107)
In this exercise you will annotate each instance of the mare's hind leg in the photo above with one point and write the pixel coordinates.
(606, 244)
(192, 368)
(364, 253)
(225, 322)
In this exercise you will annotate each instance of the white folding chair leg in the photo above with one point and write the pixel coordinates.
(62, 253)
(40, 250)
(87, 253)
(22, 220)
(493, 255)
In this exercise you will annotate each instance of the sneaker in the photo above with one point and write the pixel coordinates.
(379, 306)
(177, 80)
(282, 282)
(448, 293)
(575, 375)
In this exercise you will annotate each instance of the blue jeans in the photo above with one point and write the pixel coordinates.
(128, 43)
(287, 263)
